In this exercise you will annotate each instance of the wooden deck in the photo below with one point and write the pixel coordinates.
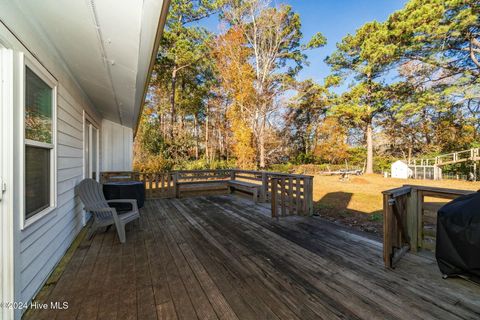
(222, 257)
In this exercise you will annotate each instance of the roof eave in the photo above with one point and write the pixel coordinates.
(153, 58)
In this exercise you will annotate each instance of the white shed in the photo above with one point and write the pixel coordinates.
(401, 170)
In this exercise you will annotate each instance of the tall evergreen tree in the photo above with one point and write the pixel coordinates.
(183, 56)
(362, 58)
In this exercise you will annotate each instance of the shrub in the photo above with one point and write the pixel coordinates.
(382, 163)
(357, 156)
(303, 158)
(376, 217)
(282, 167)
(152, 163)
(203, 164)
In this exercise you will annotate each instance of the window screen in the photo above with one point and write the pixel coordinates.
(38, 143)
(38, 108)
(37, 180)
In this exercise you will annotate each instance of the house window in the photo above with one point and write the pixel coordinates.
(39, 157)
(91, 150)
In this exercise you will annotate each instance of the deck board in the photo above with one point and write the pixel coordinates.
(223, 257)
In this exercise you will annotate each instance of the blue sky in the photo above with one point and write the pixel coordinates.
(334, 18)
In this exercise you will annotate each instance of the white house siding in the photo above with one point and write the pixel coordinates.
(55, 39)
(44, 243)
(116, 151)
(39, 247)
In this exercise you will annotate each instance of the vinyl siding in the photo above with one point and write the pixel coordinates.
(117, 151)
(43, 244)
(39, 247)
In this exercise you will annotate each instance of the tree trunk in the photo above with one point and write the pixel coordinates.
(172, 102)
(162, 126)
(369, 167)
(182, 123)
(261, 144)
(426, 128)
(206, 134)
(369, 133)
(219, 141)
(308, 145)
(195, 130)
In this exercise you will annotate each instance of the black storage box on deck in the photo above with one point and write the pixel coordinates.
(124, 190)
(458, 237)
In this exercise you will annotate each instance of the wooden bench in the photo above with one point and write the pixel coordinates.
(198, 181)
(199, 186)
(248, 187)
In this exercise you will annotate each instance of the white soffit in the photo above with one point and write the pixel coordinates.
(106, 44)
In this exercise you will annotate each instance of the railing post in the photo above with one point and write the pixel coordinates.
(395, 228)
(412, 219)
(387, 232)
(282, 196)
(309, 195)
(290, 207)
(176, 190)
(298, 205)
(150, 184)
(419, 218)
(273, 197)
(232, 174)
(264, 186)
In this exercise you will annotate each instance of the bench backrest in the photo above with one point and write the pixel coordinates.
(202, 175)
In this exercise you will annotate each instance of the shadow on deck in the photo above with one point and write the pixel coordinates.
(222, 257)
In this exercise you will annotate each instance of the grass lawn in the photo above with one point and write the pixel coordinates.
(358, 202)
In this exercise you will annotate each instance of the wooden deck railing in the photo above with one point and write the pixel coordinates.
(290, 195)
(157, 185)
(294, 193)
(410, 217)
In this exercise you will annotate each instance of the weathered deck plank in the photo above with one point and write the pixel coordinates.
(454, 296)
(215, 297)
(451, 297)
(222, 257)
(178, 293)
(235, 273)
(290, 270)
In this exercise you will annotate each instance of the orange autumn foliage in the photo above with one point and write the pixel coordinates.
(332, 146)
(237, 78)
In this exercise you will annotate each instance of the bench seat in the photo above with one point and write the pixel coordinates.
(248, 187)
(202, 185)
(219, 185)
(199, 186)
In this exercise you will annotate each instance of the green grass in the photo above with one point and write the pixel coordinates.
(376, 217)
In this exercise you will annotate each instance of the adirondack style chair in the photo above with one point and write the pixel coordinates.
(91, 194)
